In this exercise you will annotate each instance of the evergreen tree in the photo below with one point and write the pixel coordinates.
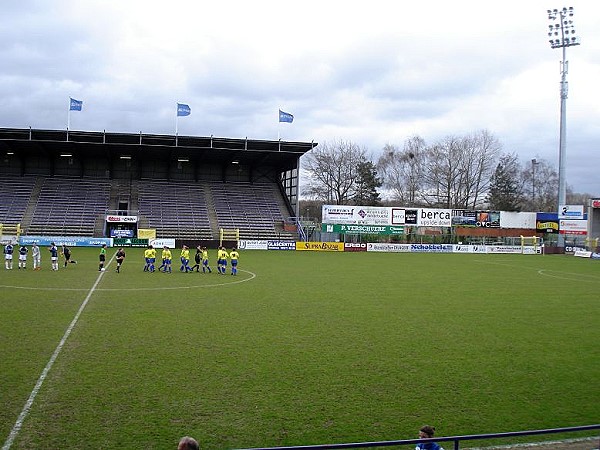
(506, 191)
(366, 185)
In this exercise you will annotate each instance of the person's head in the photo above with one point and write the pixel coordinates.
(188, 443)
(149, 246)
(426, 432)
(103, 245)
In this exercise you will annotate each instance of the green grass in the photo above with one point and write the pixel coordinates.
(317, 348)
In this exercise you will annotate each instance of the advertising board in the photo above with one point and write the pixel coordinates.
(246, 244)
(281, 245)
(573, 227)
(70, 241)
(388, 247)
(355, 247)
(320, 246)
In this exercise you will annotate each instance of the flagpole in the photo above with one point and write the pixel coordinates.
(68, 119)
(176, 125)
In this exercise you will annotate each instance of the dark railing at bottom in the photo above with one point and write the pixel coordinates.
(455, 439)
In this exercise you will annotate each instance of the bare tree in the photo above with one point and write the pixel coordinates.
(459, 169)
(482, 151)
(402, 170)
(540, 182)
(443, 173)
(333, 169)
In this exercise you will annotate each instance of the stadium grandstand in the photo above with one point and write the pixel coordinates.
(59, 182)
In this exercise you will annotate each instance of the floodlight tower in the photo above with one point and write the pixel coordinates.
(561, 34)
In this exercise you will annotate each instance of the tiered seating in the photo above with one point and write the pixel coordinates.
(70, 206)
(175, 209)
(15, 193)
(253, 208)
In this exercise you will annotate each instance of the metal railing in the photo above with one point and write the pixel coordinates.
(456, 439)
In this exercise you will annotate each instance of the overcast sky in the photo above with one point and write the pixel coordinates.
(369, 72)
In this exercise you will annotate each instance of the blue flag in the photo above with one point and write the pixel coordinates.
(75, 105)
(183, 109)
(285, 117)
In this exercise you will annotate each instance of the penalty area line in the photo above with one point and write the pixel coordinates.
(38, 385)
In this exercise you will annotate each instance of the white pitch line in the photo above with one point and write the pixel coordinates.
(25, 411)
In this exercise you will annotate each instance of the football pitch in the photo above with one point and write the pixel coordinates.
(299, 348)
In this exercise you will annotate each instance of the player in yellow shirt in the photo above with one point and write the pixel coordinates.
(205, 265)
(185, 259)
(150, 256)
(222, 260)
(166, 260)
(234, 255)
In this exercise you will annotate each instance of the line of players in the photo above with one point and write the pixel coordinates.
(23, 251)
(200, 258)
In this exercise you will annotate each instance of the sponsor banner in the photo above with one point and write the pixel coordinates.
(523, 220)
(546, 226)
(144, 233)
(595, 255)
(411, 216)
(70, 241)
(461, 248)
(435, 217)
(362, 229)
(479, 248)
(320, 246)
(398, 216)
(132, 242)
(281, 245)
(118, 233)
(383, 247)
(578, 227)
(572, 249)
(583, 254)
(8, 239)
(595, 202)
(160, 243)
(488, 219)
(570, 212)
(121, 219)
(531, 250)
(503, 248)
(464, 218)
(431, 248)
(246, 244)
(338, 214)
(367, 215)
(355, 247)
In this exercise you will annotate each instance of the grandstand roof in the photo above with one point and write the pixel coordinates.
(280, 154)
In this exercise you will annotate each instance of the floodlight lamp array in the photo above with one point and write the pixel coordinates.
(562, 33)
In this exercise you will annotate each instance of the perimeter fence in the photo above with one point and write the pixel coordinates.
(457, 440)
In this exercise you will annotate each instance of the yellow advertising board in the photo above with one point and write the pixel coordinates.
(320, 246)
(146, 233)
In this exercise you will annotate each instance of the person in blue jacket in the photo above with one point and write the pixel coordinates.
(427, 432)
